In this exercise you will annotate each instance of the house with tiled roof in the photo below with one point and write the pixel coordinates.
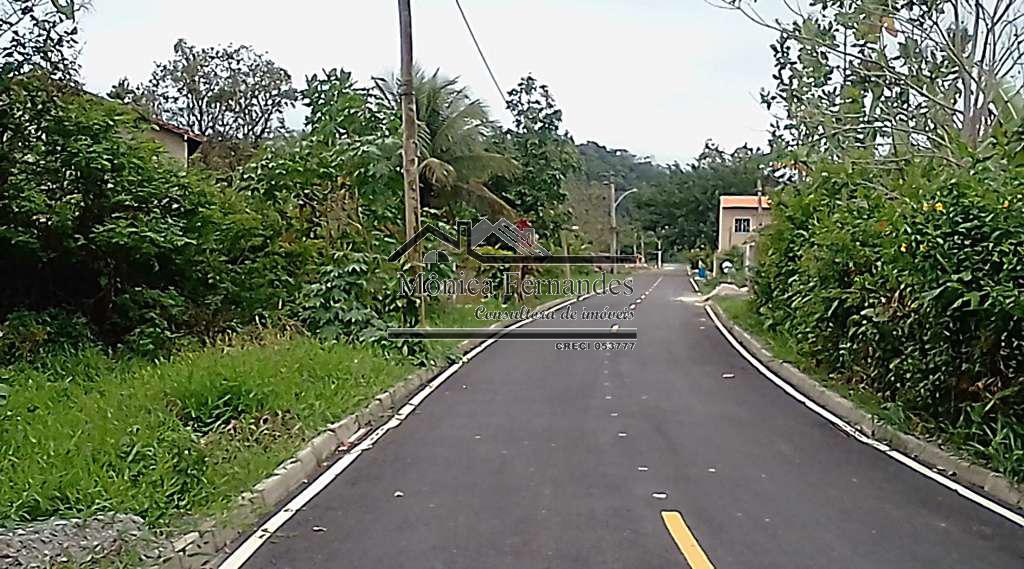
(180, 143)
(740, 218)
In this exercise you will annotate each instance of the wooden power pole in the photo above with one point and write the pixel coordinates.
(614, 245)
(410, 169)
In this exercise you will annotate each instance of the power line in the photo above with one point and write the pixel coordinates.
(481, 52)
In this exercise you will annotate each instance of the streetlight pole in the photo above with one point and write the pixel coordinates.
(409, 157)
(613, 245)
(615, 223)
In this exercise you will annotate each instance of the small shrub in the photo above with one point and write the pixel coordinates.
(26, 335)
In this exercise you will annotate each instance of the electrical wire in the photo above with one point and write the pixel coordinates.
(481, 51)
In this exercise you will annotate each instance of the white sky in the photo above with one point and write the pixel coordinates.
(657, 77)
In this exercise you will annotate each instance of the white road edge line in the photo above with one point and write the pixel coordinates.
(882, 447)
(260, 536)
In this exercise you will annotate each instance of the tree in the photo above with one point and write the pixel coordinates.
(590, 211)
(619, 166)
(226, 93)
(39, 35)
(683, 210)
(97, 221)
(920, 77)
(455, 134)
(588, 190)
(335, 188)
(124, 92)
(546, 154)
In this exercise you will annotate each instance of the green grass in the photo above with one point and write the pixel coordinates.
(741, 310)
(183, 437)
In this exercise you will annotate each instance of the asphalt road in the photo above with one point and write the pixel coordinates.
(530, 457)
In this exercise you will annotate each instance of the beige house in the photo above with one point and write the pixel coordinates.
(179, 142)
(739, 219)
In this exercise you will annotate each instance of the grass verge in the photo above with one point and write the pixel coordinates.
(1001, 458)
(182, 437)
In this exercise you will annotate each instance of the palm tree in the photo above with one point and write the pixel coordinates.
(454, 137)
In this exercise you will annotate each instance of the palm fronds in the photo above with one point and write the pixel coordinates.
(454, 138)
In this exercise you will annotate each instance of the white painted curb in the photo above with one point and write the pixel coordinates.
(831, 407)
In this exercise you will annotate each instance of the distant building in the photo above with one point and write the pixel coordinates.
(180, 143)
(739, 219)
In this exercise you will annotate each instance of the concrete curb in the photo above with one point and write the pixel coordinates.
(979, 478)
(204, 548)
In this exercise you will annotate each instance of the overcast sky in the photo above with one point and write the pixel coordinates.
(657, 77)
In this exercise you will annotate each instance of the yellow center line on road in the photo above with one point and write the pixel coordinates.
(684, 539)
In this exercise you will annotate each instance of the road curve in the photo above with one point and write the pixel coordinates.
(530, 457)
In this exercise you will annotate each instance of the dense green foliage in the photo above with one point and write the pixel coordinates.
(546, 155)
(339, 184)
(97, 221)
(893, 264)
(683, 209)
(910, 282)
(457, 142)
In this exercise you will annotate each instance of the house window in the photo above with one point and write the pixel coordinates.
(741, 225)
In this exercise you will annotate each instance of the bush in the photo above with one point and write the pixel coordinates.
(96, 220)
(25, 335)
(910, 283)
(336, 187)
(696, 256)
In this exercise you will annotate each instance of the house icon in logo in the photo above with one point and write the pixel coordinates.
(520, 237)
(435, 257)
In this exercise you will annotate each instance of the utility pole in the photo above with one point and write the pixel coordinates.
(565, 251)
(615, 230)
(410, 168)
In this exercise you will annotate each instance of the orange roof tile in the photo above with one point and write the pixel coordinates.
(745, 201)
